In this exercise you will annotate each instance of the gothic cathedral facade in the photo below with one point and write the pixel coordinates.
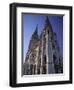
(43, 55)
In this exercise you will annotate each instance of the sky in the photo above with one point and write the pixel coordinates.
(30, 21)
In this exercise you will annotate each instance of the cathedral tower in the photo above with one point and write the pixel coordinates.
(43, 55)
(47, 51)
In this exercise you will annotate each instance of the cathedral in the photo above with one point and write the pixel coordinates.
(43, 55)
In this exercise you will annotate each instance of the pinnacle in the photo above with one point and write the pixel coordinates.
(47, 22)
(35, 34)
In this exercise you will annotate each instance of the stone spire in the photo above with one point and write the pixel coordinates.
(35, 34)
(34, 38)
(33, 41)
(47, 23)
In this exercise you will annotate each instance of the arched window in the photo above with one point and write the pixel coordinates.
(55, 64)
(31, 69)
(60, 65)
(38, 70)
(34, 68)
(38, 66)
(44, 59)
(53, 45)
(48, 31)
(44, 65)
